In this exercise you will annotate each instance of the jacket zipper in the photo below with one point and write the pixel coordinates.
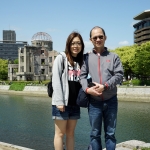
(99, 72)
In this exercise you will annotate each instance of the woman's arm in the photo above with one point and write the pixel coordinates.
(56, 80)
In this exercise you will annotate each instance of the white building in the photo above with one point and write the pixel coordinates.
(35, 61)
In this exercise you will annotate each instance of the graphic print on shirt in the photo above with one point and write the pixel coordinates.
(73, 72)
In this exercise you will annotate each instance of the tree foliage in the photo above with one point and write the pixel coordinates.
(3, 69)
(135, 60)
(16, 61)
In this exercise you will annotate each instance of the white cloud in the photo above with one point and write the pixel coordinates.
(124, 43)
(88, 46)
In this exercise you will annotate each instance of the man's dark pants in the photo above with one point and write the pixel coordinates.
(105, 111)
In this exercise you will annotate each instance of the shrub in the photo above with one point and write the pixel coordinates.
(137, 82)
(17, 86)
(145, 148)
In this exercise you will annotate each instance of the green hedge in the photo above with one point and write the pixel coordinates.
(137, 82)
(144, 148)
(19, 85)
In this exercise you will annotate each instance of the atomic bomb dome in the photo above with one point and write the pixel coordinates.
(42, 39)
(41, 36)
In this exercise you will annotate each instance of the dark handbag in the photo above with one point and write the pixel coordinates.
(83, 98)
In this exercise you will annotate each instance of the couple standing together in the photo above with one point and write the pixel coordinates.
(70, 74)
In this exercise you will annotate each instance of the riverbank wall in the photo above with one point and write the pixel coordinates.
(139, 93)
(7, 146)
(127, 145)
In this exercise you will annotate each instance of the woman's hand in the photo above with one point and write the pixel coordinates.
(61, 108)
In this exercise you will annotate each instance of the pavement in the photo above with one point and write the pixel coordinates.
(6, 146)
(128, 145)
(132, 144)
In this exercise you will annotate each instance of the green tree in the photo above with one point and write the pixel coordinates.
(126, 54)
(135, 59)
(16, 61)
(3, 69)
(142, 60)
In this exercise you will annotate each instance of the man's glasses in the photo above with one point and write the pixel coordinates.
(101, 37)
(76, 44)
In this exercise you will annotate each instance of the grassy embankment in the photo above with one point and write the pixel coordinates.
(19, 85)
(136, 82)
(142, 148)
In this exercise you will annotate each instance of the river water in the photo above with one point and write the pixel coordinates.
(26, 121)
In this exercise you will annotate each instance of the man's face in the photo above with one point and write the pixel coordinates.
(98, 38)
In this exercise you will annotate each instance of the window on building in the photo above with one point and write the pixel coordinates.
(50, 69)
(22, 50)
(15, 70)
(42, 61)
(22, 68)
(50, 59)
(140, 27)
(22, 58)
(42, 71)
(42, 51)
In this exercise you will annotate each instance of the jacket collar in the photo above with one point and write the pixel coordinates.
(104, 50)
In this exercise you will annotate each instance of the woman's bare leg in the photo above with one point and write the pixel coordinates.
(71, 124)
(60, 131)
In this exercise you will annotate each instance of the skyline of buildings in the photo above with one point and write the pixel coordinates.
(34, 61)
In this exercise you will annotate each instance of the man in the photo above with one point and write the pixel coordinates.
(106, 72)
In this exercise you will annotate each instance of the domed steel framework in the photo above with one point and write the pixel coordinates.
(41, 36)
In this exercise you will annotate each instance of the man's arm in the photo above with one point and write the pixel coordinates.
(118, 74)
(84, 83)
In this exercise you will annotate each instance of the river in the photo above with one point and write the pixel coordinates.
(26, 121)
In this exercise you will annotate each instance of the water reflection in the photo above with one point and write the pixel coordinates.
(26, 121)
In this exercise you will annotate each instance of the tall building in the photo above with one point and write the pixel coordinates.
(9, 46)
(10, 50)
(9, 36)
(142, 28)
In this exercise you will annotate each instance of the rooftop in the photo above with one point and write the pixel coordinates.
(143, 15)
(41, 36)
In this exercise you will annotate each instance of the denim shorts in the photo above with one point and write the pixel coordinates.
(71, 112)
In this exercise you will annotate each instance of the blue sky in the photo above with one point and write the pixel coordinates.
(59, 18)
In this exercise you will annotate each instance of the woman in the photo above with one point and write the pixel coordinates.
(65, 81)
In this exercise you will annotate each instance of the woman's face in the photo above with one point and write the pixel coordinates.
(75, 46)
